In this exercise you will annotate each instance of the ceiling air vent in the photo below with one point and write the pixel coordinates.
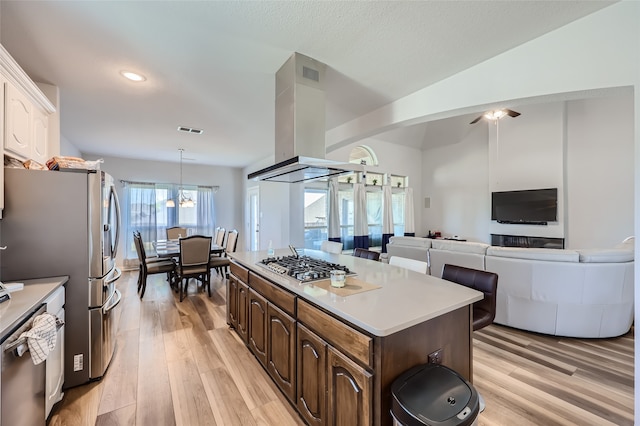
(190, 130)
(311, 74)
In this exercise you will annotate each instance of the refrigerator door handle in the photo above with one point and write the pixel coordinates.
(117, 224)
(114, 301)
(117, 273)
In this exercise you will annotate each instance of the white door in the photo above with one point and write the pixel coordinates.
(253, 202)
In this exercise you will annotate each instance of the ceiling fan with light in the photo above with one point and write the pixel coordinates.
(497, 114)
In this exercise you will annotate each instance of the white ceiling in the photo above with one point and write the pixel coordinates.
(211, 64)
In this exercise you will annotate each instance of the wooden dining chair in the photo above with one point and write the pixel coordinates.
(222, 262)
(218, 236)
(150, 267)
(194, 262)
(218, 239)
(148, 259)
(176, 232)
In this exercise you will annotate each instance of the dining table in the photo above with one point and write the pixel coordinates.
(171, 248)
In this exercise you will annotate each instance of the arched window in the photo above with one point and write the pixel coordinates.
(361, 154)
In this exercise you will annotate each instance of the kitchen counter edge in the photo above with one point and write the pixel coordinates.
(24, 302)
(360, 311)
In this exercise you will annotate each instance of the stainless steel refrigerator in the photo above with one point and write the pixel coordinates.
(68, 223)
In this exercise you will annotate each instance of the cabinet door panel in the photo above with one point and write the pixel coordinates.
(257, 329)
(40, 139)
(349, 391)
(232, 302)
(243, 311)
(311, 376)
(281, 350)
(18, 112)
(350, 341)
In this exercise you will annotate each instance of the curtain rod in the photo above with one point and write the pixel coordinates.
(128, 182)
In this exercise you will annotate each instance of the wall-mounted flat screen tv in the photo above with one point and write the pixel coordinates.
(531, 206)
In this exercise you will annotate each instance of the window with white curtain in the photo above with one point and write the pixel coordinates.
(397, 205)
(374, 215)
(316, 204)
(145, 209)
(346, 207)
(316, 210)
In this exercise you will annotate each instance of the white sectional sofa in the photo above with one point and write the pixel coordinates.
(576, 293)
(467, 254)
(410, 247)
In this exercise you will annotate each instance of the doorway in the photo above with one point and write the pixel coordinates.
(253, 202)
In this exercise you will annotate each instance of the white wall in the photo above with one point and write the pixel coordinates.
(68, 149)
(527, 152)
(394, 159)
(276, 220)
(600, 171)
(586, 152)
(456, 188)
(228, 199)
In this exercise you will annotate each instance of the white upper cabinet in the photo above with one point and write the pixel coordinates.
(27, 114)
(40, 132)
(29, 122)
(26, 127)
(18, 122)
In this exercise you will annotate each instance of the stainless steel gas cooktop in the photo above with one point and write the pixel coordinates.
(302, 268)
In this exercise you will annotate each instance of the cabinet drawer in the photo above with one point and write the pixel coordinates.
(240, 272)
(279, 297)
(356, 344)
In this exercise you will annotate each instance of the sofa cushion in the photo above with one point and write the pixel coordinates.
(552, 255)
(462, 246)
(411, 241)
(614, 255)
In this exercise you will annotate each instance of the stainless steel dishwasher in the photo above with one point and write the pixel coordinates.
(22, 383)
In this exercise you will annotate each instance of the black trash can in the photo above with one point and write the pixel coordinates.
(433, 395)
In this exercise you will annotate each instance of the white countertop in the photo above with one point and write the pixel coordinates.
(406, 298)
(27, 300)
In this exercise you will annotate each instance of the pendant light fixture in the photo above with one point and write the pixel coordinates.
(183, 199)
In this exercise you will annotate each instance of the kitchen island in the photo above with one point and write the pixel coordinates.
(335, 357)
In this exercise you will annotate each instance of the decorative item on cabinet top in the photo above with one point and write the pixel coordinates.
(54, 163)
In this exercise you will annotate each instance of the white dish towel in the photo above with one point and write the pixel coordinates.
(41, 338)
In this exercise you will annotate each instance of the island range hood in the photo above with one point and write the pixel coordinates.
(300, 126)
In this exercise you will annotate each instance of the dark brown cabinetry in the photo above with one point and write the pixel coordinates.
(243, 311)
(348, 391)
(333, 372)
(257, 328)
(237, 298)
(326, 361)
(232, 301)
(281, 350)
(312, 376)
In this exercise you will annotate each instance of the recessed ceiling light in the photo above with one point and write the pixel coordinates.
(133, 76)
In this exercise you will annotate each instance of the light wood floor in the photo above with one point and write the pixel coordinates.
(178, 363)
